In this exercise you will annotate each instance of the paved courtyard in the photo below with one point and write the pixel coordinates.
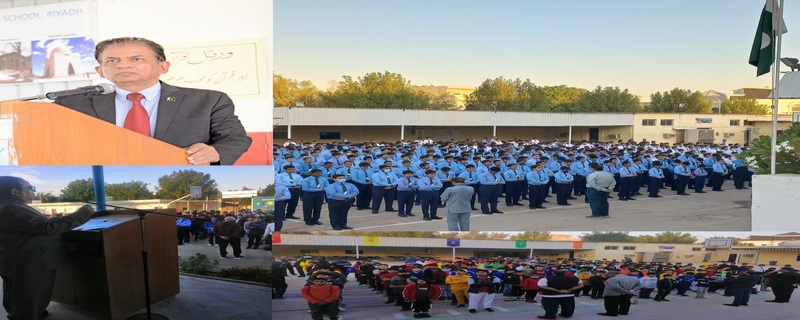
(712, 211)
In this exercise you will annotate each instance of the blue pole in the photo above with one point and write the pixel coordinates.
(99, 188)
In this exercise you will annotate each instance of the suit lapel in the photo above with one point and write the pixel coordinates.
(105, 107)
(168, 106)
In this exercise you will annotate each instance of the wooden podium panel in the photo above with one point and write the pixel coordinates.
(48, 134)
(105, 276)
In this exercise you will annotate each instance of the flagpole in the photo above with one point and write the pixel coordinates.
(777, 29)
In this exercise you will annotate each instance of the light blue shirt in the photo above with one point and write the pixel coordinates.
(627, 172)
(656, 173)
(490, 179)
(563, 177)
(150, 103)
(428, 184)
(470, 178)
(341, 190)
(288, 180)
(538, 178)
(314, 184)
(384, 179)
(282, 193)
(407, 184)
(682, 171)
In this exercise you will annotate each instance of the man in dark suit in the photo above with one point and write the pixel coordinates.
(202, 121)
(31, 249)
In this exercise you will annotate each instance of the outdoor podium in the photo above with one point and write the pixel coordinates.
(105, 277)
(40, 133)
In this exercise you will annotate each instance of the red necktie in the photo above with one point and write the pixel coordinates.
(137, 118)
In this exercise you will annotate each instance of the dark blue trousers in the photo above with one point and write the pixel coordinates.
(429, 200)
(382, 194)
(489, 196)
(536, 195)
(280, 214)
(337, 212)
(405, 202)
(653, 186)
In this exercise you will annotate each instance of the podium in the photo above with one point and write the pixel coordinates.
(105, 277)
(40, 133)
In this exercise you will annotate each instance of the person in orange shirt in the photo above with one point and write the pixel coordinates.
(458, 284)
(322, 298)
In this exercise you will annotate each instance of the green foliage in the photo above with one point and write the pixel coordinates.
(743, 106)
(679, 101)
(45, 197)
(198, 264)
(253, 274)
(82, 190)
(268, 191)
(532, 236)
(375, 91)
(613, 236)
(286, 92)
(442, 101)
(132, 190)
(667, 237)
(500, 94)
(607, 99)
(758, 154)
(176, 184)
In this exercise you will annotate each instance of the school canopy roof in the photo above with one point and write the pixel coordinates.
(789, 86)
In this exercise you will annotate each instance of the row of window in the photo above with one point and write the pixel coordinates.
(634, 248)
(669, 122)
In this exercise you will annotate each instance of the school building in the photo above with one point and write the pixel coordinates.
(394, 248)
(357, 125)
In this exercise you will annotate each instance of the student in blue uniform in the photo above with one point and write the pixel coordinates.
(429, 195)
(292, 181)
(581, 170)
(362, 179)
(313, 196)
(406, 189)
(718, 175)
(537, 182)
(384, 184)
(514, 180)
(491, 187)
(627, 178)
(700, 175)
(341, 196)
(739, 174)
(282, 197)
(683, 176)
(563, 181)
(471, 180)
(654, 183)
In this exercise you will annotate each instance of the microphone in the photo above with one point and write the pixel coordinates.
(104, 88)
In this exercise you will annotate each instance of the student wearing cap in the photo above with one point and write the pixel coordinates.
(514, 180)
(563, 181)
(362, 179)
(491, 187)
(537, 182)
(292, 181)
(482, 289)
(655, 180)
(718, 175)
(627, 176)
(429, 195)
(700, 175)
(313, 196)
(406, 189)
(421, 295)
(341, 196)
(683, 174)
(580, 169)
(740, 171)
(459, 285)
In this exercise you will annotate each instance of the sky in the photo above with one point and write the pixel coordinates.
(644, 46)
(53, 179)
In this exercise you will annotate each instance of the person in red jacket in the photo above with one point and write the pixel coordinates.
(421, 294)
(322, 299)
(531, 287)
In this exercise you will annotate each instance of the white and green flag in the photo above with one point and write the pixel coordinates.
(771, 24)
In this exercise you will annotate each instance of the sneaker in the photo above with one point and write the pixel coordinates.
(417, 316)
(222, 257)
(342, 309)
(210, 245)
(489, 310)
(473, 311)
(237, 258)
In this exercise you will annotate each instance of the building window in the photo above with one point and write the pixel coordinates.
(648, 122)
(749, 123)
(612, 247)
(628, 248)
(735, 122)
(666, 122)
(773, 263)
(697, 249)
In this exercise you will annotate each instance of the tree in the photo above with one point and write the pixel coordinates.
(679, 101)
(45, 197)
(132, 190)
(176, 184)
(79, 190)
(613, 236)
(668, 237)
(375, 91)
(500, 94)
(286, 92)
(607, 99)
(743, 106)
(564, 98)
(442, 101)
(532, 236)
(269, 190)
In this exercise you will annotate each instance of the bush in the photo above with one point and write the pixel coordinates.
(253, 274)
(198, 264)
(757, 156)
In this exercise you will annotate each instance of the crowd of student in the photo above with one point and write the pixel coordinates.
(254, 226)
(403, 174)
(473, 283)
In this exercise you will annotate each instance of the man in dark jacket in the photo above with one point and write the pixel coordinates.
(783, 283)
(742, 286)
(229, 232)
(31, 249)
(557, 290)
